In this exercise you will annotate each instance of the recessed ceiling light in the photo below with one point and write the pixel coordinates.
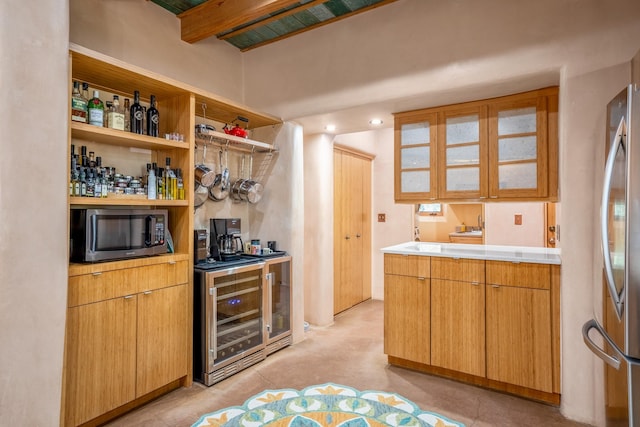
(375, 122)
(330, 128)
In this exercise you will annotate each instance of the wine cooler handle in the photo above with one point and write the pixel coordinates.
(213, 333)
(269, 277)
(604, 219)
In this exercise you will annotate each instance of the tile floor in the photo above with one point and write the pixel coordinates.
(349, 352)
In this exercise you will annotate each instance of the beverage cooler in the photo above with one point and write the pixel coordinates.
(241, 315)
(278, 304)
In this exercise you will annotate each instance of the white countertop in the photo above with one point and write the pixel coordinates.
(486, 252)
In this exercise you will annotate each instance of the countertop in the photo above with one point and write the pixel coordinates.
(486, 252)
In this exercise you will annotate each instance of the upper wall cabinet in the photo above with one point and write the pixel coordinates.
(502, 148)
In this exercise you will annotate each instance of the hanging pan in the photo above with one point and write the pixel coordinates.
(218, 191)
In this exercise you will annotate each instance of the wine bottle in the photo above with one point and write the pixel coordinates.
(153, 118)
(96, 110)
(136, 114)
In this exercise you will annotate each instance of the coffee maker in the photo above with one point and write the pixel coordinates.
(225, 240)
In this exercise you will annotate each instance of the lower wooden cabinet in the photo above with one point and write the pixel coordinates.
(490, 323)
(101, 358)
(406, 317)
(519, 337)
(457, 329)
(127, 334)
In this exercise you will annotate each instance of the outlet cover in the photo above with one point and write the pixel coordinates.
(517, 219)
(382, 217)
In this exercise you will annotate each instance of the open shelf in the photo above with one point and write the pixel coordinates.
(232, 142)
(124, 201)
(121, 138)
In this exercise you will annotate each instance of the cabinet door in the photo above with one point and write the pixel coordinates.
(101, 358)
(519, 340)
(406, 318)
(162, 338)
(462, 153)
(415, 159)
(279, 289)
(518, 148)
(457, 326)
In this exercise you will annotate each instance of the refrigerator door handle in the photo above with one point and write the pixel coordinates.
(608, 359)
(604, 219)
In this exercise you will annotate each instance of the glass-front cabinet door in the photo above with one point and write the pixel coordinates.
(415, 136)
(518, 148)
(462, 153)
(278, 301)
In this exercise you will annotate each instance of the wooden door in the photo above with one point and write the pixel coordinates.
(352, 229)
(162, 338)
(519, 336)
(101, 358)
(406, 318)
(457, 326)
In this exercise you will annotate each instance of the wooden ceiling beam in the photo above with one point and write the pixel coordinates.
(217, 16)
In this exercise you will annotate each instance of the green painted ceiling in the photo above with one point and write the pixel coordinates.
(273, 30)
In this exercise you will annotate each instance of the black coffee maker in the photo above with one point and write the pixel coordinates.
(225, 240)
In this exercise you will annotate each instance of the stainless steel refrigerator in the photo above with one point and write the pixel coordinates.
(617, 313)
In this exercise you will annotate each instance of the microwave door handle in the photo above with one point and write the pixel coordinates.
(93, 243)
(604, 219)
(150, 228)
(607, 358)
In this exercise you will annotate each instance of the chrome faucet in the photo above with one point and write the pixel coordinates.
(416, 234)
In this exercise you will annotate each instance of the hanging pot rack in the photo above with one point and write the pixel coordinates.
(230, 142)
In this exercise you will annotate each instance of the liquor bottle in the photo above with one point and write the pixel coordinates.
(151, 184)
(105, 187)
(127, 117)
(97, 189)
(116, 116)
(180, 184)
(78, 105)
(91, 184)
(108, 106)
(136, 114)
(160, 192)
(85, 91)
(153, 118)
(76, 184)
(92, 159)
(85, 159)
(83, 182)
(96, 110)
(169, 180)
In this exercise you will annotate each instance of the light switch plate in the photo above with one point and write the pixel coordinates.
(382, 217)
(517, 219)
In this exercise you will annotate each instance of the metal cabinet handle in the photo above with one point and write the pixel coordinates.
(147, 292)
(172, 263)
(422, 278)
(96, 273)
(128, 296)
(495, 286)
(475, 283)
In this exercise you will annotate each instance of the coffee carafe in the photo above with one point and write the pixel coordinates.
(225, 239)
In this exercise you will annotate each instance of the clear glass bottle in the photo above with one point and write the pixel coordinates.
(153, 118)
(97, 186)
(83, 182)
(79, 105)
(91, 184)
(96, 110)
(116, 115)
(169, 180)
(151, 184)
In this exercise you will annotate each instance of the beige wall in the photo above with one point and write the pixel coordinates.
(500, 227)
(33, 213)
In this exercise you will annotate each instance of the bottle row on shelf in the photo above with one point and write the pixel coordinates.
(88, 178)
(134, 118)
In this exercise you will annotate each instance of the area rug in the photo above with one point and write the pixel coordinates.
(326, 405)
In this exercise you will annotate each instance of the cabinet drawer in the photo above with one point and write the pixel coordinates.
(465, 270)
(100, 286)
(407, 265)
(523, 275)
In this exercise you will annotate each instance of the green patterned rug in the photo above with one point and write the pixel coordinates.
(326, 405)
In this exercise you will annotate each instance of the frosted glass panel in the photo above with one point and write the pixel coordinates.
(467, 155)
(413, 158)
(415, 182)
(520, 120)
(463, 179)
(522, 175)
(415, 133)
(463, 129)
(523, 148)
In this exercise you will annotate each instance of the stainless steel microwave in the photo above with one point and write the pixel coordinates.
(108, 234)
